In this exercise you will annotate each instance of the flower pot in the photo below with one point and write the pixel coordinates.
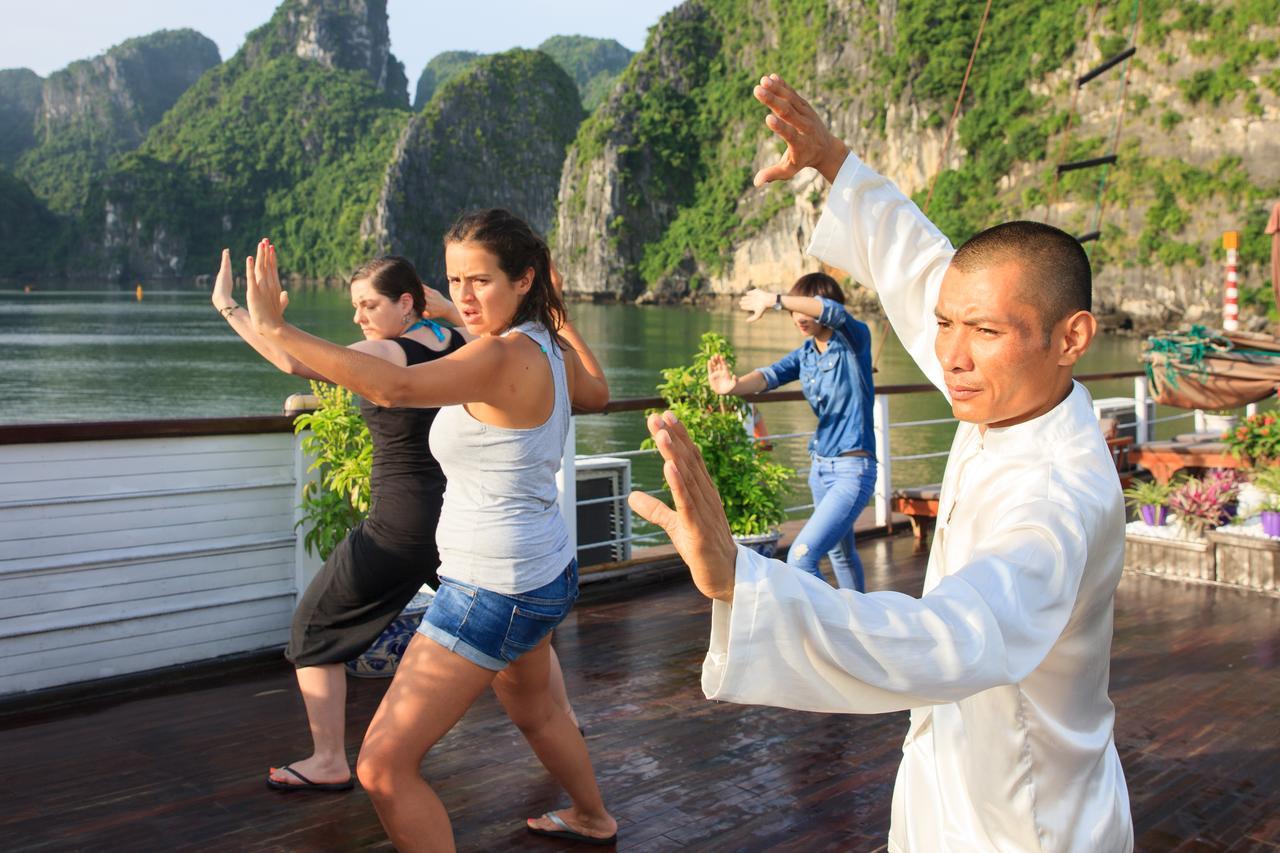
(381, 659)
(764, 544)
(1220, 424)
(1270, 522)
(1153, 515)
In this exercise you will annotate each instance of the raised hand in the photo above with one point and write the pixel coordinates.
(224, 284)
(719, 377)
(438, 307)
(809, 142)
(697, 525)
(264, 296)
(757, 301)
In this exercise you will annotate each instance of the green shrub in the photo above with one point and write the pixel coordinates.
(751, 487)
(343, 449)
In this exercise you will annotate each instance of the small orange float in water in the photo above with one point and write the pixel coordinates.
(139, 293)
(26, 288)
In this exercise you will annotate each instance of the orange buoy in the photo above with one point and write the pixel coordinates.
(138, 293)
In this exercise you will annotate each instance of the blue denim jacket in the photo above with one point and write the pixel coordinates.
(837, 383)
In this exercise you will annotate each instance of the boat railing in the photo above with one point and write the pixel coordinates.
(1142, 425)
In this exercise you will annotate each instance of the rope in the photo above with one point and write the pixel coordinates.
(946, 141)
(942, 155)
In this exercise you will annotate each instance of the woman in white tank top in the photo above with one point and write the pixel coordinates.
(507, 571)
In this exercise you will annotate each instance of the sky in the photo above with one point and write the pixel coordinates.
(45, 35)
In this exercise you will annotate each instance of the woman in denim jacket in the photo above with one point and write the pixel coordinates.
(834, 368)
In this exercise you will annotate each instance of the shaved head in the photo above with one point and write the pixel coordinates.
(1055, 278)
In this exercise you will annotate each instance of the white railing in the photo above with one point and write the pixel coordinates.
(883, 428)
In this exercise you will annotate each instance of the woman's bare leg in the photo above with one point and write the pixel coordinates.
(559, 693)
(524, 690)
(432, 689)
(324, 692)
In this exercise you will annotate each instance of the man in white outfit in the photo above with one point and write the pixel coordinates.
(1004, 660)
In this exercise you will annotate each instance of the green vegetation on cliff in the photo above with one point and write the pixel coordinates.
(1005, 123)
(691, 124)
(285, 148)
(32, 237)
(95, 109)
(468, 148)
(440, 70)
(594, 64)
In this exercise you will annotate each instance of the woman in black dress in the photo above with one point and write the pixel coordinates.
(377, 569)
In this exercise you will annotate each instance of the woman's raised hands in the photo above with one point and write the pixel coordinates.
(719, 377)
(264, 296)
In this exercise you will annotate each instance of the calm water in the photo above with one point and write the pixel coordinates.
(102, 354)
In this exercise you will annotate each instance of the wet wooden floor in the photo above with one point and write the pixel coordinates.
(179, 766)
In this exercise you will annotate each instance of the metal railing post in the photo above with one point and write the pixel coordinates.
(1200, 425)
(305, 564)
(884, 475)
(567, 484)
(1251, 410)
(1143, 427)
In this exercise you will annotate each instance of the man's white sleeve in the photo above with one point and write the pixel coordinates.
(876, 234)
(790, 640)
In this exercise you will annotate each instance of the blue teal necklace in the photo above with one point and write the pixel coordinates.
(426, 324)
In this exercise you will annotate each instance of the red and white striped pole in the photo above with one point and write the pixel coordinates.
(1231, 293)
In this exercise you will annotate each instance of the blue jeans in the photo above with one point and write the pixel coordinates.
(841, 487)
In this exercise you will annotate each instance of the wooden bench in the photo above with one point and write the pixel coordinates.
(920, 503)
(1166, 458)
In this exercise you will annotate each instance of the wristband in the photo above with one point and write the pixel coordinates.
(227, 311)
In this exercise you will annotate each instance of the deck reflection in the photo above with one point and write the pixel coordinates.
(1195, 677)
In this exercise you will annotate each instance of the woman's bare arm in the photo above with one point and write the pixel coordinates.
(238, 319)
(468, 375)
(590, 386)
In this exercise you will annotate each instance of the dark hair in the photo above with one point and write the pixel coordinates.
(392, 276)
(518, 249)
(1055, 276)
(817, 284)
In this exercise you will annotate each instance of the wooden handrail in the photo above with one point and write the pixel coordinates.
(44, 433)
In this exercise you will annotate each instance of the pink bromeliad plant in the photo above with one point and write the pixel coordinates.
(1203, 503)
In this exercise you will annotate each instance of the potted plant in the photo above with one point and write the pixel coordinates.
(751, 485)
(1220, 421)
(1200, 504)
(1150, 499)
(1268, 480)
(1255, 440)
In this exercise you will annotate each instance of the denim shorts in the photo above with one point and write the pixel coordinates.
(492, 629)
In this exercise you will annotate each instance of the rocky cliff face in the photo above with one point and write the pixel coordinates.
(347, 34)
(19, 102)
(95, 109)
(493, 136)
(1199, 143)
(618, 193)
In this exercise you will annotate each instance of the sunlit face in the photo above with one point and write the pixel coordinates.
(377, 316)
(486, 297)
(998, 366)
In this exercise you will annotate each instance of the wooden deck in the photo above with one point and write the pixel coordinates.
(179, 765)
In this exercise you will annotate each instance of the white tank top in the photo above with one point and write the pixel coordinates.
(500, 527)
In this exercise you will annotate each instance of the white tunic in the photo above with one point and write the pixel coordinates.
(1004, 660)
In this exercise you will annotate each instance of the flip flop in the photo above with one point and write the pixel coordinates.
(307, 784)
(568, 834)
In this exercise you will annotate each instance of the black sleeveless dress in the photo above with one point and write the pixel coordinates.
(377, 569)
